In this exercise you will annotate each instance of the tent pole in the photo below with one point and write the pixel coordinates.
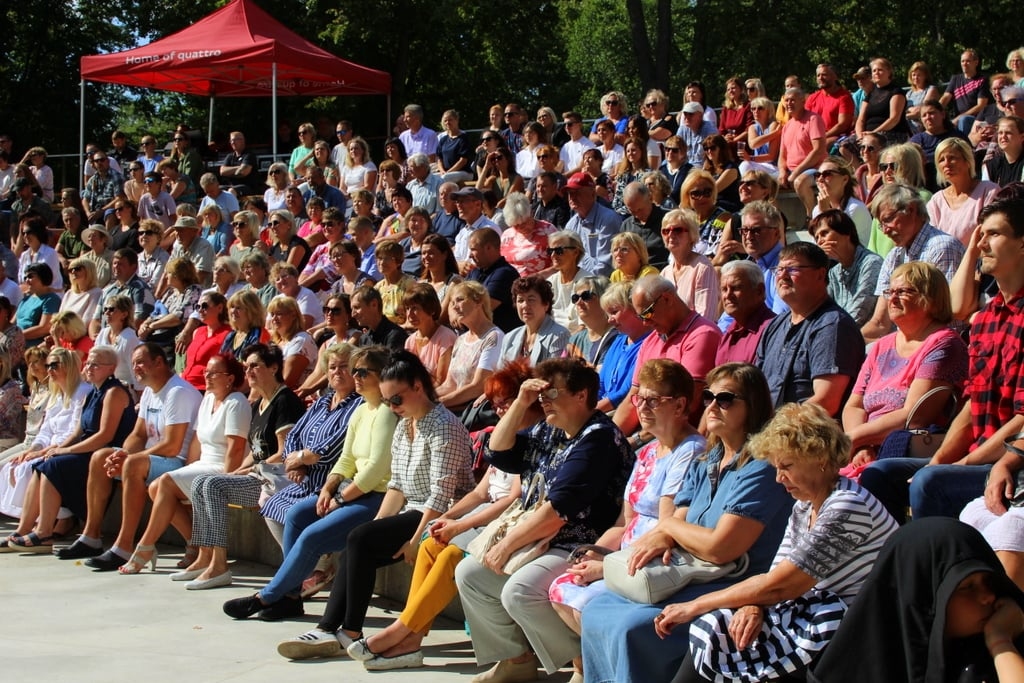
(81, 133)
(387, 126)
(273, 108)
(209, 126)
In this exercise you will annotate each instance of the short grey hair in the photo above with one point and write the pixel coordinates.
(104, 354)
(636, 189)
(747, 270)
(419, 160)
(654, 286)
(415, 110)
(517, 208)
(899, 197)
(767, 210)
(208, 179)
(618, 294)
(598, 284)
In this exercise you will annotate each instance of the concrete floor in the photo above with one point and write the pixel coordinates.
(62, 622)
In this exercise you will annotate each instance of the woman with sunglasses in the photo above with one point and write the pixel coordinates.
(565, 249)
(490, 142)
(83, 295)
(430, 467)
(208, 339)
(337, 319)
(729, 505)
(869, 175)
(277, 184)
(902, 164)
(135, 182)
(614, 110)
(720, 162)
(663, 407)
(118, 332)
(591, 343)
(303, 153)
(759, 151)
(695, 277)
(430, 340)
(221, 439)
(836, 187)
(500, 175)
(700, 194)
(287, 245)
(59, 476)
(246, 228)
(65, 395)
(661, 125)
(275, 409)
(125, 233)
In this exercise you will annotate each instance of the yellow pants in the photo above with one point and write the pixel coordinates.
(433, 584)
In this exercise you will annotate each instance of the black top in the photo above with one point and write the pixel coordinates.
(497, 280)
(284, 410)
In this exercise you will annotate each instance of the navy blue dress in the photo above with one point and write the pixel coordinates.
(69, 473)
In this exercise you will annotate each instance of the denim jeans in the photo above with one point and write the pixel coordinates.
(308, 536)
(935, 491)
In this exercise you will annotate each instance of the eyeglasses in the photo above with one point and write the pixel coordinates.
(550, 394)
(724, 399)
(362, 373)
(205, 306)
(893, 166)
(900, 293)
(96, 161)
(238, 224)
(748, 183)
(53, 366)
(586, 295)
(649, 402)
(180, 139)
(558, 251)
(305, 132)
(341, 131)
(511, 113)
(612, 103)
(333, 310)
(120, 208)
(753, 232)
(699, 194)
(790, 271)
(276, 223)
(650, 104)
(673, 230)
(648, 312)
(396, 400)
(276, 171)
(147, 144)
(890, 218)
(145, 233)
(543, 156)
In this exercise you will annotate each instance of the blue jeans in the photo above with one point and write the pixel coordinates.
(308, 536)
(936, 491)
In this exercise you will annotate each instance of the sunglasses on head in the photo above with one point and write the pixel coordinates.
(586, 295)
(724, 399)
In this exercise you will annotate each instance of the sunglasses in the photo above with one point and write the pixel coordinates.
(543, 156)
(205, 306)
(648, 312)
(238, 224)
(396, 400)
(698, 194)
(650, 104)
(109, 309)
(828, 174)
(753, 232)
(612, 103)
(549, 394)
(748, 183)
(586, 295)
(52, 366)
(275, 223)
(341, 132)
(276, 171)
(889, 167)
(672, 149)
(869, 148)
(331, 310)
(490, 138)
(673, 230)
(558, 251)
(148, 232)
(180, 139)
(1010, 103)
(75, 269)
(363, 373)
(724, 399)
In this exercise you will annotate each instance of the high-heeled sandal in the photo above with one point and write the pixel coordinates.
(191, 554)
(135, 565)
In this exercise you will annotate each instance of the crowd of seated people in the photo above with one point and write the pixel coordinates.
(346, 352)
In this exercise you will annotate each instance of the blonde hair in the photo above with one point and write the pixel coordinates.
(90, 274)
(475, 291)
(72, 363)
(634, 242)
(802, 432)
(286, 304)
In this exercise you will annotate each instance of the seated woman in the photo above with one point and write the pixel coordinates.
(286, 331)
(180, 299)
(700, 194)
(336, 330)
(954, 209)
(760, 150)
(420, 225)
(591, 343)
(440, 268)
(660, 189)
(936, 605)
(83, 293)
(245, 226)
(852, 279)
(477, 351)
(430, 467)
(346, 260)
(12, 403)
(431, 341)
(540, 337)
(118, 332)
(59, 475)
(868, 174)
(393, 283)
(774, 624)
(314, 443)
(39, 395)
(730, 504)
(68, 331)
(565, 248)
(207, 339)
(524, 243)
(835, 191)
(433, 583)
(616, 373)
(633, 166)
(663, 407)
(245, 317)
(39, 304)
(696, 279)
(922, 354)
(221, 439)
(275, 411)
(630, 258)
(585, 462)
(287, 245)
(720, 162)
(393, 226)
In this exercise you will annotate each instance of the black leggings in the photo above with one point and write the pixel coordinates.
(370, 546)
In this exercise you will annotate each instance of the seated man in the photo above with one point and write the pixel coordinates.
(496, 275)
(743, 300)
(236, 171)
(802, 149)
(368, 314)
(813, 353)
(215, 194)
(159, 443)
(903, 217)
(424, 185)
(446, 221)
(681, 334)
(645, 220)
(594, 222)
(994, 407)
(548, 204)
(124, 268)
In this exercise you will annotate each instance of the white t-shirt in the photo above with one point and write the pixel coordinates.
(177, 402)
(308, 303)
(232, 418)
(301, 345)
(571, 153)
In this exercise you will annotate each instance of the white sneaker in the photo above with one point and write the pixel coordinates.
(315, 643)
(410, 660)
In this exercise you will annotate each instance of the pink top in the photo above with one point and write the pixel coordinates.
(885, 377)
(797, 135)
(528, 255)
(960, 222)
(693, 344)
(431, 350)
(697, 285)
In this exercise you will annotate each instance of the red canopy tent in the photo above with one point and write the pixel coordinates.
(237, 51)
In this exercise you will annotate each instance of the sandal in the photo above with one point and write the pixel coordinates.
(32, 543)
(135, 564)
(191, 554)
(316, 582)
